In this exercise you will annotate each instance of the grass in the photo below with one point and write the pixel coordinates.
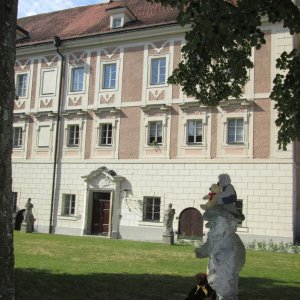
(65, 267)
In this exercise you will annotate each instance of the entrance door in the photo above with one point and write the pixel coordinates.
(190, 223)
(101, 212)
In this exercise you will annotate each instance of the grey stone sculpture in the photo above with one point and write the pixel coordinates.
(168, 220)
(225, 250)
(28, 211)
(28, 219)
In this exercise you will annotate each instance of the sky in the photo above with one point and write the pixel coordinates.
(33, 7)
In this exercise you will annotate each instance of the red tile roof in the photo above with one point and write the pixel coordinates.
(92, 20)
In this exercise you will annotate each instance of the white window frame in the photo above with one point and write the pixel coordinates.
(240, 205)
(155, 114)
(50, 125)
(156, 57)
(235, 141)
(110, 151)
(192, 112)
(110, 87)
(73, 144)
(102, 75)
(20, 143)
(235, 110)
(43, 71)
(155, 142)
(71, 73)
(246, 116)
(117, 22)
(115, 17)
(153, 213)
(195, 131)
(70, 151)
(25, 95)
(100, 130)
(71, 199)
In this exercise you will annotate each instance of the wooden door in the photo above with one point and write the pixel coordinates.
(190, 223)
(101, 213)
(104, 218)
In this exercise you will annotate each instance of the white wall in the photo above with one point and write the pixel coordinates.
(266, 189)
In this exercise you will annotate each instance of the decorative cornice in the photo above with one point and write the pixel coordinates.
(242, 101)
(45, 114)
(112, 110)
(141, 33)
(194, 104)
(162, 107)
(21, 115)
(76, 112)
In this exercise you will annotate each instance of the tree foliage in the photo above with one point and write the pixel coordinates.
(217, 53)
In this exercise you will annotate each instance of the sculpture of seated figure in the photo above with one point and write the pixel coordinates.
(225, 196)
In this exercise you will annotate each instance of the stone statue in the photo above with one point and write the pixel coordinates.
(28, 211)
(168, 220)
(225, 250)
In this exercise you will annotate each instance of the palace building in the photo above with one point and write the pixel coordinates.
(102, 143)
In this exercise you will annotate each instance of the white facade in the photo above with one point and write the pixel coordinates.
(266, 190)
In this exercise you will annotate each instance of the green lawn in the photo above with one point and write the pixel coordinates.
(65, 267)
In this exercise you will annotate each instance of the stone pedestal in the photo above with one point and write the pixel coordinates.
(115, 235)
(168, 239)
(26, 227)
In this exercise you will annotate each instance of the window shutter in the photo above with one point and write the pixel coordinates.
(44, 136)
(48, 82)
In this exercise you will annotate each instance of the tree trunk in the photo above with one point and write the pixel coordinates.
(8, 17)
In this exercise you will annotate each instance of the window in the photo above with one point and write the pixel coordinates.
(239, 206)
(155, 133)
(158, 71)
(15, 198)
(48, 82)
(105, 138)
(73, 136)
(69, 205)
(17, 137)
(21, 85)
(77, 79)
(109, 76)
(43, 136)
(194, 134)
(235, 131)
(151, 209)
(116, 22)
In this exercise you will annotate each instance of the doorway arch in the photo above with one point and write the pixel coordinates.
(190, 223)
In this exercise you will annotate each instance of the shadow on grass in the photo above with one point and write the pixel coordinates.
(38, 284)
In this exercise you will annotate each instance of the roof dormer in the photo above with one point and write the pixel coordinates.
(120, 16)
(21, 34)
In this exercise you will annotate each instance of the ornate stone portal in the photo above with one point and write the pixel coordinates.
(104, 179)
(226, 253)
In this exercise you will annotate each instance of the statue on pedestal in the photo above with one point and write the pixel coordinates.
(28, 211)
(225, 250)
(28, 219)
(168, 220)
